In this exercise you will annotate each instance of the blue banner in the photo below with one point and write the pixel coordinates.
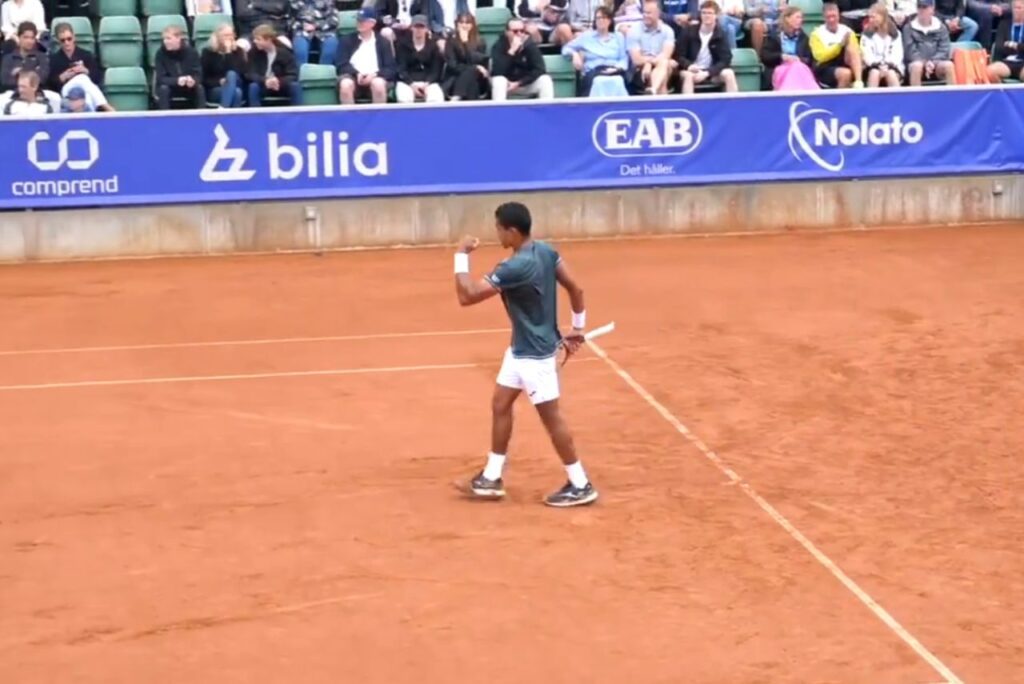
(110, 159)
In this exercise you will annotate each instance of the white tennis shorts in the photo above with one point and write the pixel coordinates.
(537, 377)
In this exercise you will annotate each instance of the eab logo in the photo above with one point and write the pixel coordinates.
(818, 135)
(647, 133)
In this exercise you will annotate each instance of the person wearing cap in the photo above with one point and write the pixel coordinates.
(71, 68)
(837, 61)
(420, 64)
(366, 62)
(395, 18)
(517, 66)
(74, 102)
(1008, 61)
(926, 46)
(952, 13)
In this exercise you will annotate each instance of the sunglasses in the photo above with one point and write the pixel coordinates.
(67, 39)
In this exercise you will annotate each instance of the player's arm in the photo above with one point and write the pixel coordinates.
(468, 290)
(579, 311)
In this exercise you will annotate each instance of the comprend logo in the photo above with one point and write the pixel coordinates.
(76, 151)
(828, 136)
(326, 154)
(647, 133)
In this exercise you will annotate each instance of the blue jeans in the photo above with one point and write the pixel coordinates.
(969, 28)
(981, 12)
(731, 25)
(228, 95)
(328, 48)
(258, 90)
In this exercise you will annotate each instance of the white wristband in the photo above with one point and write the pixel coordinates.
(461, 262)
(579, 320)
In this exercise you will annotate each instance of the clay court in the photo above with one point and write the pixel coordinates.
(239, 469)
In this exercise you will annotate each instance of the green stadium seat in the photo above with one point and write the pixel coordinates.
(563, 74)
(747, 67)
(120, 42)
(205, 25)
(126, 89)
(156, 8)
(347, 22)
(814, 15)
(82, 27)
(319, 84)
(154, 33)
(491, 23)
(116, 8)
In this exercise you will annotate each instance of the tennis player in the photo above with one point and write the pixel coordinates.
(527, 282)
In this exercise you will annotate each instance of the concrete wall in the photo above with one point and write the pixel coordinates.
(339, 224)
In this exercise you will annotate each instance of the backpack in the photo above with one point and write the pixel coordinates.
(970, 66)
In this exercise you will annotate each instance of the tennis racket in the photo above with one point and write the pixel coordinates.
(587, 337)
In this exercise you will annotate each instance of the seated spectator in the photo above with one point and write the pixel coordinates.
(952, 13)
(900, 11)
(75, 102)
(26, 58)
(395, 18)
(432, 10)
(315, 24)
(629, 14)
(651, 44)
(466, 61)
(600, 56)
(926, 46)
(762, 18)
(253, 13)
(517, 67)
(854, 13)
(546, 21)
(420, 64)
(176, 71)
(366, 62)
(1009, 46)
(703, 53)
(787, 54)
(272, 68)
(730, 18)
(196, 7)
(223, 64)
(986, 14)
(14, 13)
(72, 68)
(836, 53)
(881, 48)
(29, 100)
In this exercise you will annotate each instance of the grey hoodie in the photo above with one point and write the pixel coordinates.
(926, 43)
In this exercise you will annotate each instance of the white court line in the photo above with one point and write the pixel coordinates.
(880, 612)
(253, 342)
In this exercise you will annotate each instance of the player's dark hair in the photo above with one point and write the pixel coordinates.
(514, 215)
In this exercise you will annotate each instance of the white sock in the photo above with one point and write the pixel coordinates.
(577, 477)
(495, 462)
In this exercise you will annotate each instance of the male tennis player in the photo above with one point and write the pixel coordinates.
(527, 282)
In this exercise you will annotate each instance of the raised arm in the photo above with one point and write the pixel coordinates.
(468, 290)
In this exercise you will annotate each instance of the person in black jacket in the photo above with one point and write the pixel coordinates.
(466, 60)
(272, 68)
(27, 57)
(366, 62)
(419, 66)
(787, 42)
(703, 52)
(1008, 61)
(224, 65)
(72, 67)
(952, 13)
(177, 72)
(517, 66)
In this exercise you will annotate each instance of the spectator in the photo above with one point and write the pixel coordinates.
(854, 13)
(419, 66)
(196, 7)
(254, 13)
(762, 18)
(651, 44)
(466, 59)
(177, 71)
(629, 14)
(223, 65)
(730, 18)
(72, 68)
(1008, 60)
(986, 14)
(836, 54)
(366, 63)
(952, 14)
(703, 52)
(75, 102)
(28, 101)
(26, 58)
(517, 67)
(315, 23)
(395, 18)
(677, 13)
(926, 46)
(580, 14)
(600, 56)
(547, 21)
(272, 68)
(431, 10)
(900, 11)
(881, 48)
(787, 54)
(14, 13)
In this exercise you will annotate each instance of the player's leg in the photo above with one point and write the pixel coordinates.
(489, 482)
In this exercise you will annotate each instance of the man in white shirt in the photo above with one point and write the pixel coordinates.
(29, 101)
(366, 62)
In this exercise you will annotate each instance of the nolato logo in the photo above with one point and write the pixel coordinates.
(647, 133)
(828, 136)
(327, 154)
(76, 151)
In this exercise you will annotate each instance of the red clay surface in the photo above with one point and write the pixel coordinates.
(304, 529)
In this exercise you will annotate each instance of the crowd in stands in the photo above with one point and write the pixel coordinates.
(433, 50)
